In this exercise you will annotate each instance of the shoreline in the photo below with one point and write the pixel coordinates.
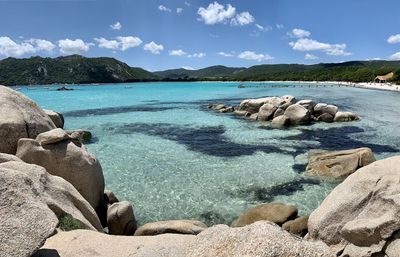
(363, 85)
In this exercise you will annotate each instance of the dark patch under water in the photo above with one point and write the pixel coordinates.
(268, 194)
(207, 139)
(116, 110)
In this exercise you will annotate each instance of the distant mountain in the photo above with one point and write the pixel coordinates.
(78, 69)
(69, 69)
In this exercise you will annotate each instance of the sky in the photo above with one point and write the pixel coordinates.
(161, 34)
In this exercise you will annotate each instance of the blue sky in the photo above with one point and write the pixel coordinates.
(161, 34)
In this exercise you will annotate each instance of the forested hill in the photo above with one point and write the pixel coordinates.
(69, 69)
(77, 69)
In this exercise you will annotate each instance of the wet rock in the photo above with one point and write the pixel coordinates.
(81, 135)
(56, 117)
(262, 238)
(298, 114)
(32, 203)
(338, 164)
(20, 118)
(277, 213)
(345, 117)
(191, 227)
(121, 219)
(297, 226)
(361, 215)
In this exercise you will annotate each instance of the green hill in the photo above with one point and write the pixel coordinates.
(69, 69)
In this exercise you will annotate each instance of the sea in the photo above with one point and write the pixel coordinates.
(163, 150)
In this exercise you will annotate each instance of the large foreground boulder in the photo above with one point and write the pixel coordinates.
(69, 159)
(338, 164)
(32, 203)
(261, 239)
(84, 243)
(20, 117)
(277, 213)
(361, 216)
(190, 227)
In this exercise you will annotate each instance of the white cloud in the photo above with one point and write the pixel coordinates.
(306, 44)
(263, 28)
(178, 52)
(116, 26)
(300, 33)
(395, 57)
(129, 42)
(109, 44)
(179, 10)
(120, 43)
(77, 46)
(225, 54)
(394, 39)
(187, 3)
(310, 57)
(153, 47)
(216, 13)
(242, 19)
(42, 45)
(187, 68)
(250, 55)
(280, 26)
(197, 55)
(8, 47)
(164, 8)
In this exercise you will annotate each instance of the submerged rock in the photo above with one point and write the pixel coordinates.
(20, 118)
(277, 213)
(81, 135)
(68, 159)
(261, 239)
(32, 204)
(338, 164)
(360, 217)
(121, 219)
(191, 227)
(56, 117)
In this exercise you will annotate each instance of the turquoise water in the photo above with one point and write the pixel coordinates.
(164, 151)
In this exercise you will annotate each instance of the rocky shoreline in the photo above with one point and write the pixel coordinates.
(54, 202)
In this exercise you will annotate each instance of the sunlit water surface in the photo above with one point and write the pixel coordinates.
(164, 151)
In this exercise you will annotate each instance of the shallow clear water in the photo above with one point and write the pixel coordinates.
(164, 151)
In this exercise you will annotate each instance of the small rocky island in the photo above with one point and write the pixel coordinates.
(53, 201)
(286, 111)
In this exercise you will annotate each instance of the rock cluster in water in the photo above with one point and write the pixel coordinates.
(50, 184)
(286, 111)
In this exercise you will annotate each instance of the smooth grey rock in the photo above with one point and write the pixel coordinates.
(70, 160)
(297, 226)
(121, 219)
(280, 122)
(362, 212)
(338, 164)
(308, 104)
(4, 157)
(261, 239)
(20, 118)
(266, 112)
(325, 117)
(253, 105)
(31, 203)
(345, 117)
(85, 243)
(321, 108)
(110, 197)
(191, 227)
(254, 116)
(52, 136)
(279, 112)
(277, 213)
(298, 114)
(56, 117)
